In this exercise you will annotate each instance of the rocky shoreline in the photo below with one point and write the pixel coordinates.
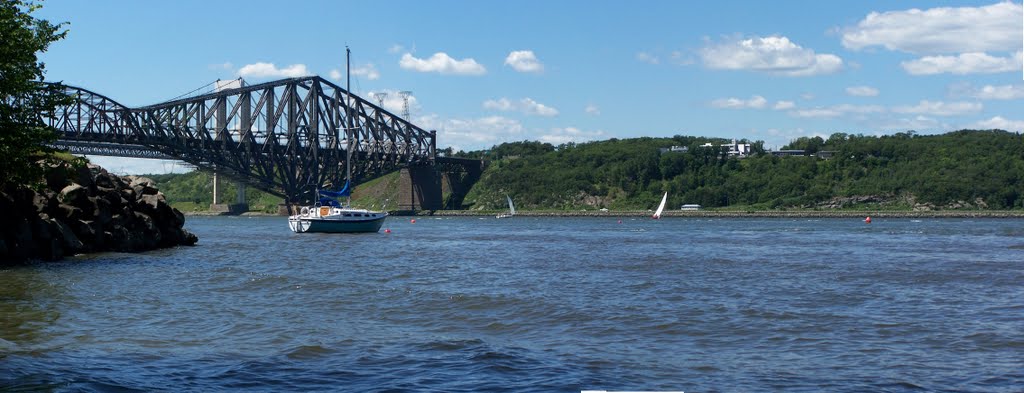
(86, 210)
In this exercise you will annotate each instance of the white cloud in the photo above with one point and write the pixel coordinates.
(919, 123)
(862, 91)
(368, 71)
(1003, 92)
(783, 105)
(526, 105)
(558, 136)
(441, 63)
(999, 122)
(222, 66)
(524, 61)
(837, 111)
(473, 134)
(774, 54)
(647, 58)
(501, 104)
(336, 75)
(269, 70)
(755, 102)
(592, 110)
(396, 49)
(939, 108)
(966, 63)
(532, 107)
(995, 27)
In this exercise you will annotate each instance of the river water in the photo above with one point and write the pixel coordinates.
(531, 304)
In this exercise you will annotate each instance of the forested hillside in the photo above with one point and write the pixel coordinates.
(962, 169)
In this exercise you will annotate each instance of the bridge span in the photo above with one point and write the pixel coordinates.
(284, 137)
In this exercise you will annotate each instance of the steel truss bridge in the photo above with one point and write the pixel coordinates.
(285, 137)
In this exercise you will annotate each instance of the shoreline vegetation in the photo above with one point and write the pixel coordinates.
(694, 214)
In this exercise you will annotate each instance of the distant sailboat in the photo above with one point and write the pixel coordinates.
(511, 209)
(661, 207)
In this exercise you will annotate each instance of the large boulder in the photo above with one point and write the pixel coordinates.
(87, 210)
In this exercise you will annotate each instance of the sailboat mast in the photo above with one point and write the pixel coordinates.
(348, 119)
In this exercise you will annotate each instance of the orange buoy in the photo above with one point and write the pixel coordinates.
(867, 220)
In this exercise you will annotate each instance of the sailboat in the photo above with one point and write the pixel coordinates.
(511, 209)
(328, 214)
(661, 207)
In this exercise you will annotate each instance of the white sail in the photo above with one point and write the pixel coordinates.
(511, 207)
(661, 207)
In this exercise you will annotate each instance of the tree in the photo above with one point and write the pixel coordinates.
(23, 96)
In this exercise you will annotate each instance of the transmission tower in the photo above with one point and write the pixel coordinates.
(405, 103)
(380, 98)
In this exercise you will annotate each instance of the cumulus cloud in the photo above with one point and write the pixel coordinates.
(966, 63)
(368, 71)
(862, 91)
(783, 105)
(221, 66)
(524, 61)
(472, 134)
(1001, 123)
(647, 58)
(775, 54)
(939, 108)
(1002, 92)
(592, 110)
(995, 27)
(441, 63)
(837, 111)
(558, 136)
(269, 70)
(755, 102)
(526, 105)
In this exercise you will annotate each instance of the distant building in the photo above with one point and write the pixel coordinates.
(826, 154)
(674, 149)
(784, 153)
(690, 207)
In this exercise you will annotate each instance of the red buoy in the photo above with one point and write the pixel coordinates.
(387, 231)
(412, 221)
(867, 220)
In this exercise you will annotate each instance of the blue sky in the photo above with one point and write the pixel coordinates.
(482, 73)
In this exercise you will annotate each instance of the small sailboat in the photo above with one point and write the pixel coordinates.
(661, 207)
(328, 215)
(511, 209)
(331, 216)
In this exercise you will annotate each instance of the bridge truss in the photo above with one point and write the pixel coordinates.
(285, 137)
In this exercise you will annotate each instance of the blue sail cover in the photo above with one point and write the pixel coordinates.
(327, 198)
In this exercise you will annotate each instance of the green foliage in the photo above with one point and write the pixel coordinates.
(632, 173)
(193, 191)
(22, 96)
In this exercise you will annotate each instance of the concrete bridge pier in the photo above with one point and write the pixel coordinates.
(240, 206)
(419, 188)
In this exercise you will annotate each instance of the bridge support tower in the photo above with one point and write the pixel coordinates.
(419, 188)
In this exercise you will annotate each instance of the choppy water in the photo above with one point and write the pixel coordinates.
(531, 304)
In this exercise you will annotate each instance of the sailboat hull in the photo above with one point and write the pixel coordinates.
(336, 220)
(315, 225)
